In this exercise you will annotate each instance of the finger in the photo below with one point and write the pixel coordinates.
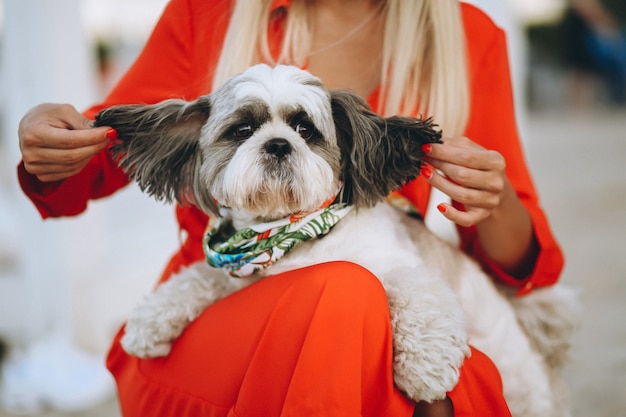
(64, 116)
(62, 156)
(52, 115)
(491, 181)
(464, 152)
(443, 151)
(468, 218)
(44, 135)
(76, 139)
(471, 197)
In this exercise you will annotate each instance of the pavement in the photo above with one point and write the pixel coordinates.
(578, 159)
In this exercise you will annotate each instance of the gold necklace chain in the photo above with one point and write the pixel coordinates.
(348, 35)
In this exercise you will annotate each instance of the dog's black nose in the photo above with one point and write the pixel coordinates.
(278, 147)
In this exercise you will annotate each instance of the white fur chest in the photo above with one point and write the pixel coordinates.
(374, 238)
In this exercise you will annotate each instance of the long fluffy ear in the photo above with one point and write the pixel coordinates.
(379, 154)
(158, 146)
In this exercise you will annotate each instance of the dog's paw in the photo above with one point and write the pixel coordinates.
(152, 328)
(141, 345)
(427, 375)
(161, 317)
(429, 342)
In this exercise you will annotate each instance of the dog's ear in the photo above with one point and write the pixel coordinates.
(379, 154)
(158, 147)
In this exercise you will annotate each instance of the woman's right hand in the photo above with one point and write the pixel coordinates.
(57, 141)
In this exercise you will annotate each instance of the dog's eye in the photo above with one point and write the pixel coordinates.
(243, 131)
(305, 130)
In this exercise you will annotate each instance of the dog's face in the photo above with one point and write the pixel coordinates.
(268, 143)
(269, 146)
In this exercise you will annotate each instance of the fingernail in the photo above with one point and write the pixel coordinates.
(427, 148)
(111, 134)
(442, 208)
(426, 172)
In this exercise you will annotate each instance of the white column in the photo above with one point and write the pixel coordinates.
(44, 58)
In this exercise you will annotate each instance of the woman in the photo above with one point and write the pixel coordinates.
(280, 347)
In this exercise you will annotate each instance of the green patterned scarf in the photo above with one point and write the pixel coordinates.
(244, 252)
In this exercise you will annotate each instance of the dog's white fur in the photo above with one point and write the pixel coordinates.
(440, 300)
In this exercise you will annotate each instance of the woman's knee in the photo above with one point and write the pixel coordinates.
(345, 284)
(341, 276)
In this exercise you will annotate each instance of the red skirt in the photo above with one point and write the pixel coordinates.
(311, 342)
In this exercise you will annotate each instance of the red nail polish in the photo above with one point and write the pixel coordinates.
(426, 172)
(111, 134)
(427, 148)
(442, 208)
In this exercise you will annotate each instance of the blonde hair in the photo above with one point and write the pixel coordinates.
(424, 68)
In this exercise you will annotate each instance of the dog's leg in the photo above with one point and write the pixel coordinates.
(163, 315)
(494, 329)
(549, 316)
(429, 336)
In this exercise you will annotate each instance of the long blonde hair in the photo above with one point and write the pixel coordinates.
(424, 68)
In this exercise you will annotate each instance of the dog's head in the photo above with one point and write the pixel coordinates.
(268, 143)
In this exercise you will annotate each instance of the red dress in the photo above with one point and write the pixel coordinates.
(300, 343)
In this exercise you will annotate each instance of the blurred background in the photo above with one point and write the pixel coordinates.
(66, 285)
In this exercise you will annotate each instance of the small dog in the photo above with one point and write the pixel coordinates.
(273, 152)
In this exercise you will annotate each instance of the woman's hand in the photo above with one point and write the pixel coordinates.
(57, 141)
(472, 176)
(475, 177)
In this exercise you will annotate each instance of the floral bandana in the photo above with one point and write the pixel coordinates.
(259, 246)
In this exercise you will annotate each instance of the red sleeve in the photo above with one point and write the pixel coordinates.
(100, 178)
(173, 63)
(492, 124)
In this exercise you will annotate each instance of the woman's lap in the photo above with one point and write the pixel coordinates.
(312, 339)
(316, 341)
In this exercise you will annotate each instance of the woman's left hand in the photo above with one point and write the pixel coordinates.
(476, 178)
(472, 176)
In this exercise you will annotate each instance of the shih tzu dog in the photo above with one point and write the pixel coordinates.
(276, 160)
